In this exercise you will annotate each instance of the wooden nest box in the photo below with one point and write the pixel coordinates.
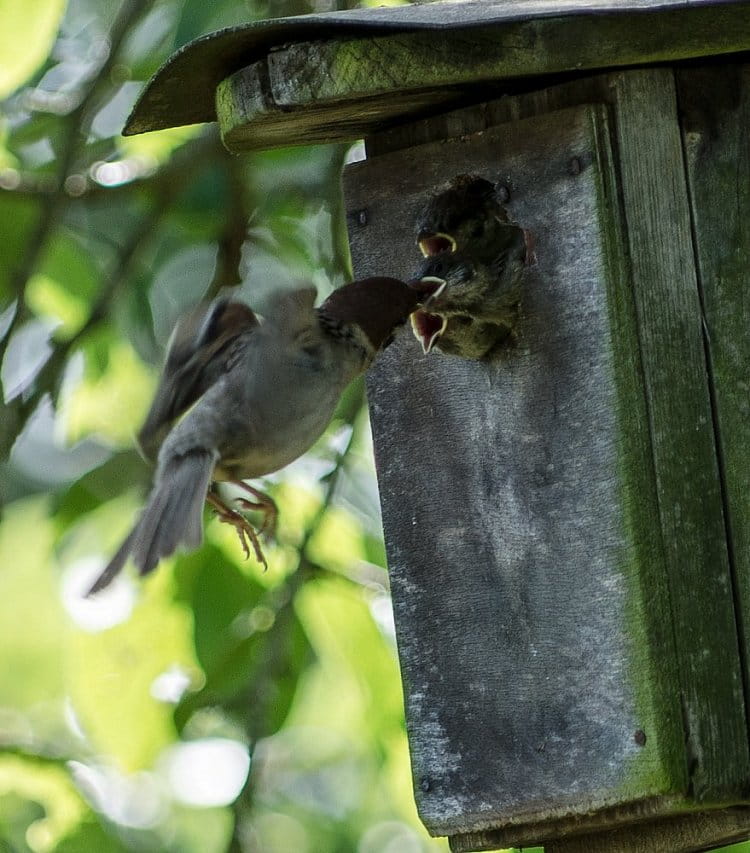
(568, 526)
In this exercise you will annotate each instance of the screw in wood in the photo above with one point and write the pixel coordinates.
(640, 737)
(575, 167)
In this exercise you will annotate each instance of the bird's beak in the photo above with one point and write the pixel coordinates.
(427, 328)
(429, 286)
(434, 244)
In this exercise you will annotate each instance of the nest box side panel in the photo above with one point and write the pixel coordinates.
(671, 328)
(715, 107)
(520, 504)
(691, 832)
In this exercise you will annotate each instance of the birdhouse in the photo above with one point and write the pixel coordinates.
(567, 521)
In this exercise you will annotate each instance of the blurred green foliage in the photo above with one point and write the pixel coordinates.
(213, 707)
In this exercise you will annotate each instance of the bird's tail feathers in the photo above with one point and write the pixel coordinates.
(174, 513)
(173, 516)
(114, 566)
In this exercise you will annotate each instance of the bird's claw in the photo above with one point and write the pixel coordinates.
(246, 533)
(263, 503)
(268, 525)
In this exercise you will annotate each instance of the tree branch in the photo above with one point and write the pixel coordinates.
(76, 125)
(233, 234)
(194, 156)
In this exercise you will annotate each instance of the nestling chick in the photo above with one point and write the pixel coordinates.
(253, 395)
(467, 212)
(450, 320)
(478, 305)
(470, 243)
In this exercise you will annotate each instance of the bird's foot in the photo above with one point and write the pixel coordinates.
(263, 503)
(245, 531)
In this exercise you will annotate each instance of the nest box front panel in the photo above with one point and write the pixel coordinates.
(519, 502)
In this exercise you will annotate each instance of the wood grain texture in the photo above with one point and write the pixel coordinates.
(182, 90)
(346, 88)
(671, 322)
(352, 69)
(520, 509)
(686, 834)
(250, 119)
(715, 108)
(432, 418)
(683, 443)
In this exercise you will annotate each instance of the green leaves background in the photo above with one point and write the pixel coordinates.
(129, 722)
(213, 707)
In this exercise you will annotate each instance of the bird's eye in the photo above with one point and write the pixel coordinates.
(478, 230)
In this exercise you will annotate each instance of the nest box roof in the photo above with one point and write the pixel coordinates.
(401, 59)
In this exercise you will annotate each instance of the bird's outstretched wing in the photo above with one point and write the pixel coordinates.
(193, 364)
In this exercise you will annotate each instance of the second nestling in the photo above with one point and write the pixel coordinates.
(471, 246)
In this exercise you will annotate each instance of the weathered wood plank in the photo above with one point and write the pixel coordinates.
(686, 834)
(670, 319)
(350, 87)
(715, 109)
(250, 119)
(520, 511)
(353, 69)
(682, 437)
(182, 90)
(680, 615)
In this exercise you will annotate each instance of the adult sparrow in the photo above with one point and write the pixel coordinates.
(241, 397)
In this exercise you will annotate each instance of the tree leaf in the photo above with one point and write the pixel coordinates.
(26, 36)
(117, 475)
(111, 676)
(248, 640)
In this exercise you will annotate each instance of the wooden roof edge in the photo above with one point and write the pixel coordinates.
(183, 90)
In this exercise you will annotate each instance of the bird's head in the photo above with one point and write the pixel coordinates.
(462, 214)
(371, 309)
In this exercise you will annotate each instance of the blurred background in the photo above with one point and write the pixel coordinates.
(214, 707)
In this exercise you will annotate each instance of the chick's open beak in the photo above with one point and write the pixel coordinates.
(430, 286)
(428, 327)
(434, 244)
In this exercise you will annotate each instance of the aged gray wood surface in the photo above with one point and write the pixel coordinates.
(512, 546)
(521, 496)
(690, 506)
(715, 109)
(182, 91)
(346, 88)
(671, 319)
(686, 834)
